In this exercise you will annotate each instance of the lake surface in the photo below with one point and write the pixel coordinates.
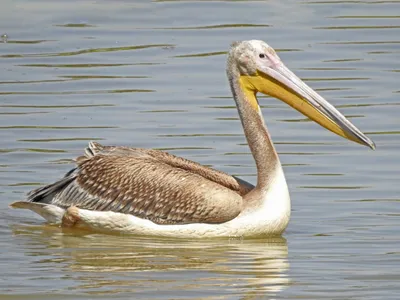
(151, 74)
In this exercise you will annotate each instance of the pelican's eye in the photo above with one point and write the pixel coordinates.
(262, 55)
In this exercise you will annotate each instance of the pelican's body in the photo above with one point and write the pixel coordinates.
(150, 192)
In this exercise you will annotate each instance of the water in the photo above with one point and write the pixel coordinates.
(151, 74)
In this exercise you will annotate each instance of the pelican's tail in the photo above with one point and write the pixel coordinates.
(53, 214)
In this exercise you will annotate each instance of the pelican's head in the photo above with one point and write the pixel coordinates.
(260, 69)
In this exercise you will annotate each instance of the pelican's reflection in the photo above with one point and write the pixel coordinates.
(106, 264)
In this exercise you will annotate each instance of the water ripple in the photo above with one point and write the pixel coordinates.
(94, 92)
(87, 51)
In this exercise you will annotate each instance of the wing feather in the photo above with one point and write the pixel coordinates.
(231, 182)
(149, 184)
(144, 187)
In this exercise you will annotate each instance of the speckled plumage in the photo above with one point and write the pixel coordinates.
(226, 180)
(148, 184)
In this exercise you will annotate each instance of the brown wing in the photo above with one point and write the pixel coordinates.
(141, 185)
(231, 182)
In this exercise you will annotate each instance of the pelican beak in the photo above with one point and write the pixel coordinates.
(279, 82)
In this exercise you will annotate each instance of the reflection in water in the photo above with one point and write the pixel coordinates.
(104, 264)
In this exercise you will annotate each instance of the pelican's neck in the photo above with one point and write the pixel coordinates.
(256, 133)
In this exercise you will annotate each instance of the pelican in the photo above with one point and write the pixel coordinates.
(150, 192)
